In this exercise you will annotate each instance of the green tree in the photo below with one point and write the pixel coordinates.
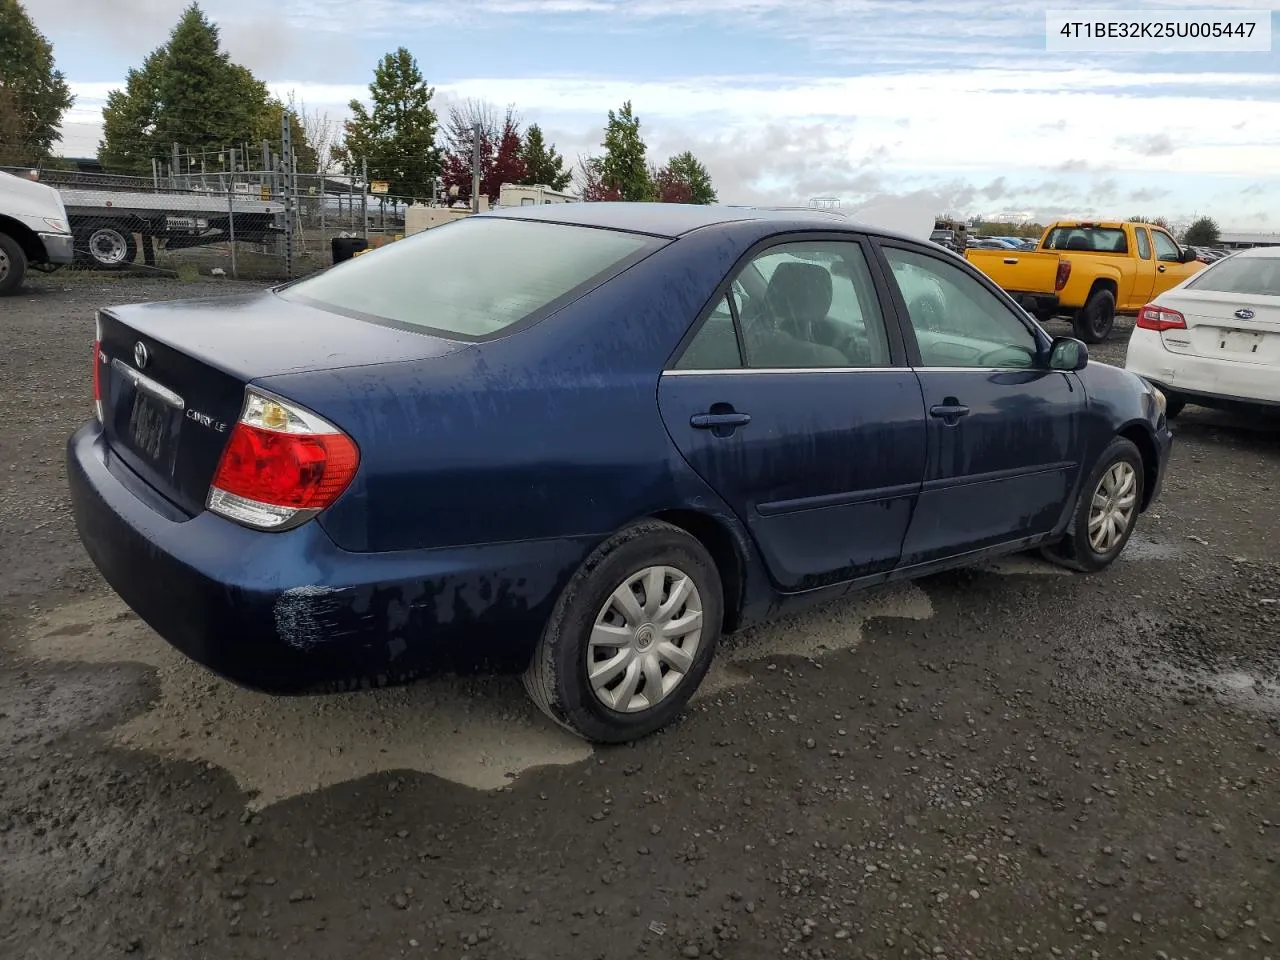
(1203, 232)
(688, 171)
(398, 137)
(1157, 221)
(543, 165)
(187, 92)
(624, 167)
(33, 95)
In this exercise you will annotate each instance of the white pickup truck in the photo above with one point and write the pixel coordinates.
(34, 230)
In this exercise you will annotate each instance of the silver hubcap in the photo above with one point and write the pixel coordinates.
(1113, 506)
(644, 640)
(107, 246)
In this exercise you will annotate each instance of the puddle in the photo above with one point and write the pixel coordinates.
(478, 732)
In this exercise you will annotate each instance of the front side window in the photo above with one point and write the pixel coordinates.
(957, 321)
(472, 278)
(1166, 249)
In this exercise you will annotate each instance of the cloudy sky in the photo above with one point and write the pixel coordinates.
(784, 100)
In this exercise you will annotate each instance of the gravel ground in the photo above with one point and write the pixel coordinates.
(1004, 762)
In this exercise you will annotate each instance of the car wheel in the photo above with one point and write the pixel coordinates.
(1093, 322)
(106, 247)
(1173, 405)
(631, 637)
(13, 265)
(1106, 512)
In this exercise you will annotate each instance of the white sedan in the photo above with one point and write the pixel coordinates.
(1214, 339)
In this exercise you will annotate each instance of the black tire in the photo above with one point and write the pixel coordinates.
(89, 240)
(557, 676)
(1173, 405)
(1093, 321)
(1075, 551)
(13, 265)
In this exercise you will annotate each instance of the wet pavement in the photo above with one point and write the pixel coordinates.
(1001, 762)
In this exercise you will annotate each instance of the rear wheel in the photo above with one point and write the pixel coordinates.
(1173, 404)
(1093, 321)
(13, 264)
(1106, 512)
(106, 247)
(631, 636)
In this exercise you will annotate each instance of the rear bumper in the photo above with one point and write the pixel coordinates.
(291, 612)
(1201, 378)
(59, 248)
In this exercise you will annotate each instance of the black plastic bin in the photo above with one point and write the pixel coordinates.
(344, 248)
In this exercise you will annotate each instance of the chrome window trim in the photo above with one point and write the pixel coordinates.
(902, 369)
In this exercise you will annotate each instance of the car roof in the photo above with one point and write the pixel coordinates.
(672, 220)
(1267, 252)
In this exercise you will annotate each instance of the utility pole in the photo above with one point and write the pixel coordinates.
(475, 169)
(287, 189)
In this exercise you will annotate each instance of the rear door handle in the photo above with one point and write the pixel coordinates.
(1011, 260)
(949, 412)
(709, 421)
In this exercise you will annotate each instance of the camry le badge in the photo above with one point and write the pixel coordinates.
(1245, 314)
(140, 355)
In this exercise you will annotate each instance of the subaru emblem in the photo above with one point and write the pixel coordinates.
(1245, 314)
(140, 355)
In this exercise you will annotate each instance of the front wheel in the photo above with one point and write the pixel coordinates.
(1106, 512)
(631, 636)
(13, 265)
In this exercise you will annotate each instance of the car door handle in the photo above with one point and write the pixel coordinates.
(949, 412)
(1011, 260)
(710, 421)
(1161, 268)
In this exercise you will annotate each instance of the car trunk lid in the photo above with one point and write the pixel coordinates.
(1226, 326)
(172, 376)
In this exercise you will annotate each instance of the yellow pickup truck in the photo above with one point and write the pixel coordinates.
(1088, 271)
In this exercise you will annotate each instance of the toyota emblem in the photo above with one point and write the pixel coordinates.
(1245, 314)
(140, 355)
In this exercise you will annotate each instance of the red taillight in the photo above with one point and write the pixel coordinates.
(1160, 319)
(1064, 272)
(281, 465)
(97, 379)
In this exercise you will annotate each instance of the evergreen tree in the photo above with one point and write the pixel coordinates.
(33, 95)
(187, 92)
(398, 137)
(543, 165)
(685, 169)
(1203, 232)
(624, 167)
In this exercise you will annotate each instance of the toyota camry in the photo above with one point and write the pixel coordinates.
(582, 442)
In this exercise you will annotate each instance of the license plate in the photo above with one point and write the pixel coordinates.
(149, 423)
(1238, 341)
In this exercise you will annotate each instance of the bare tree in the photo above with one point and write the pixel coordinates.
(322, 133)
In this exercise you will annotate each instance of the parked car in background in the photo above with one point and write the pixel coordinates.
(1090, 271)
(655, 424)
(1214, 339)
(33, 230)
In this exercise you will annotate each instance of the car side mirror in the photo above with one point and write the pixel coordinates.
(1188, 256)
(1068, 354)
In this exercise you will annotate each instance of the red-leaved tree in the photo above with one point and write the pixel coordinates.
(500, 144)
(590, 181)
(670, 187)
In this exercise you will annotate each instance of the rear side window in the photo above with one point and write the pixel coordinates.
(1251, 276)
(1090, 239)
(473, 278)
(1144, 244)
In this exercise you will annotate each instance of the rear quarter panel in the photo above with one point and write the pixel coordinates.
(1087, 269)
(550, 432)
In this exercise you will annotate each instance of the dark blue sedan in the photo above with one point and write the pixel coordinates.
(583, 441)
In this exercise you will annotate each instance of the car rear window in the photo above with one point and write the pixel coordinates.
(473, 278)
(1091, 239)
(1253, 276)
